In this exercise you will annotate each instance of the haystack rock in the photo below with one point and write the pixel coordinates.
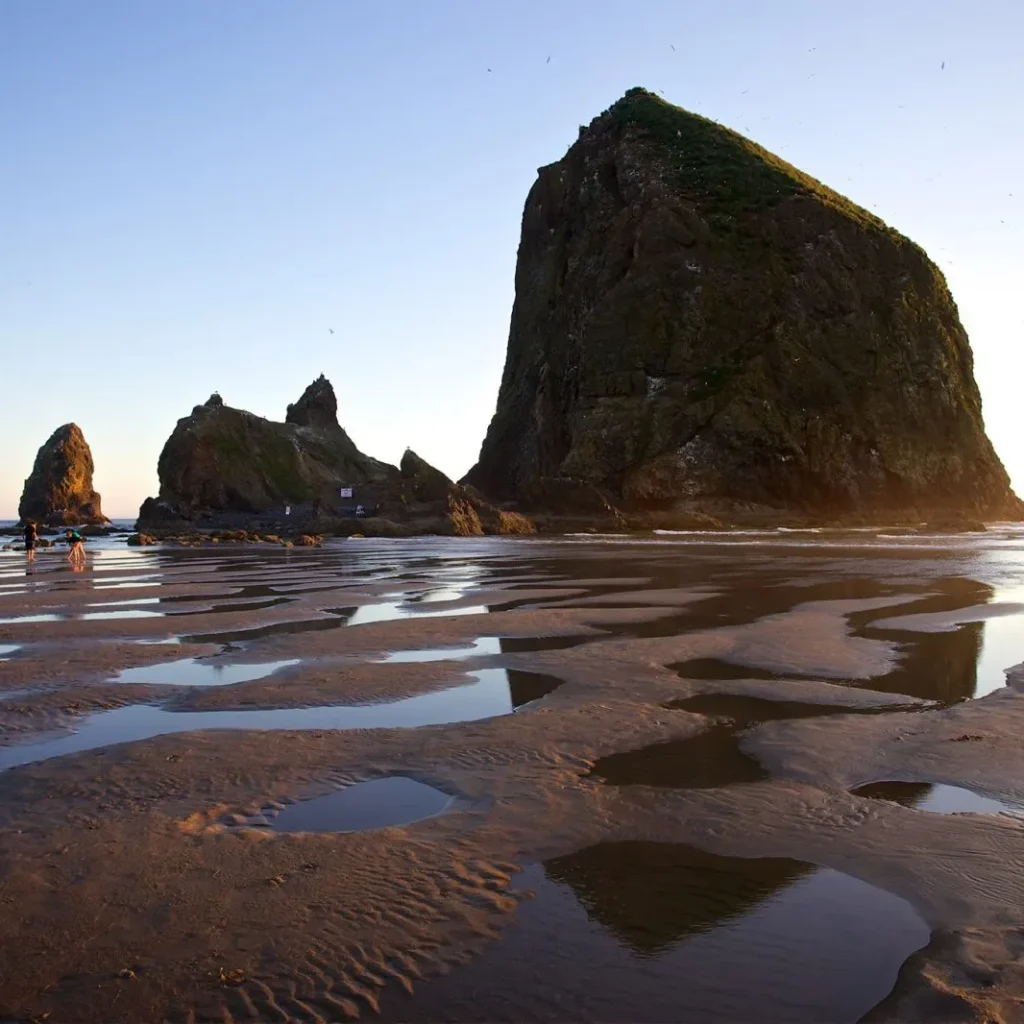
(697, 321)
(59, 490)
(222, 459)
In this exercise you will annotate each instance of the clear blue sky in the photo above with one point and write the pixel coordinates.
(193, 193)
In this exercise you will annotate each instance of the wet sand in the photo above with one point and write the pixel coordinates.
(761, 776)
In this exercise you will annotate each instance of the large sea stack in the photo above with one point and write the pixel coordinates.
(59, 491)
(222, 459)
(698, 324)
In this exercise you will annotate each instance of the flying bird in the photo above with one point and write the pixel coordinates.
(330, 329)
(548, 61)
(488, 71)
(673, 47)
(942, 67)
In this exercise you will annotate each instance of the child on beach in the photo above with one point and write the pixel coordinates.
(76, 553)
(30, 540)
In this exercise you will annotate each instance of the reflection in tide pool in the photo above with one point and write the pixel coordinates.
(495, 691)
(199, 672)
(485, 645)
(128, 613)
(1002, 647)
(391, 610)
(937, 798)
(379, 803)
(665, 932)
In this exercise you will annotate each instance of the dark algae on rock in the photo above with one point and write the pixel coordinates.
(59, 490)
(698, 323)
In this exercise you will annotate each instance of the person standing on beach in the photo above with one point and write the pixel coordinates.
(76, 553)
(31, 536)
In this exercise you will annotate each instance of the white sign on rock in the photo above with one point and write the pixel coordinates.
(345, 492)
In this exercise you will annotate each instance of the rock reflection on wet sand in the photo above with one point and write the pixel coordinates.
(710, 759)
(200, 672)
(937, 798)
(665, 932)
(491, 692)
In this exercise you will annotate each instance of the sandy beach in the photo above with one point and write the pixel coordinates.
(771, 775)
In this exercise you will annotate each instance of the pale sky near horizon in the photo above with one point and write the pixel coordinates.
(194, 194)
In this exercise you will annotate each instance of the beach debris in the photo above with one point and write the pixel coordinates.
(127, 972)
(233, 977)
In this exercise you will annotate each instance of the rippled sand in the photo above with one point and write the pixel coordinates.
(638, 761)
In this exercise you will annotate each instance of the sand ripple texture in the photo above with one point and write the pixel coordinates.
(137, 884)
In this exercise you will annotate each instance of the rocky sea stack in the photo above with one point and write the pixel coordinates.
(230, 475)
(59, 491)
(700, 326)
(224, 459)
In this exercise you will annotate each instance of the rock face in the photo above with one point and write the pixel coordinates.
(59, 490)
(697, 321)
(316, 408)
(225, 459)
(422, 481)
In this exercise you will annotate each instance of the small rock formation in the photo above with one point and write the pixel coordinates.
(221, 459)
(699, 325)
(421, 481)
(317, 407)
(226, 476)
(59, 490)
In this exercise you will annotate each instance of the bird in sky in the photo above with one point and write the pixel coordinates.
(942, 67)
(330, 330)
(673, 47)
(548, 61)
(488, 71)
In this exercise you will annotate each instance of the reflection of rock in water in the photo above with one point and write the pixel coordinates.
(745, 711)
(524, 687)
(909, 794)
(935, 666)
(652, 895)
(719, 670)
(711, 758)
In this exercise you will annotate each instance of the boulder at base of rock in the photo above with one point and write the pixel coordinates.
(59, 490)
(696, 320)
